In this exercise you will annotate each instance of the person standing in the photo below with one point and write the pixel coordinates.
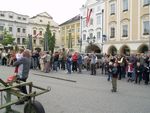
(64, 57)
(138, 71)
(114, 77)
(130, 71)
(69, 63)
(146, 72)
(56, 57)
(74, 62)
(4, 58)
(80, 61)
(93, 63)
(24, 71)
(47, 64)
(110, 67)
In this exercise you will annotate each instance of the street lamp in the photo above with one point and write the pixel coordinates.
(80, 42)
(91, 40)
(70, 39)
(102, 29)
(29, 45)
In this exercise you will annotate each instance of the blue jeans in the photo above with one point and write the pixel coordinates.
(109, 76)
(133, 74)
(69, 68)
(55, 65)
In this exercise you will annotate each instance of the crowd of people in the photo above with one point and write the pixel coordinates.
(134, 68)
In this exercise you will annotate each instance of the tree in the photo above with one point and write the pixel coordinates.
(49, 40)
(7, 38)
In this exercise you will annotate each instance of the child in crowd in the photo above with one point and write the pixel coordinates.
(130, 71)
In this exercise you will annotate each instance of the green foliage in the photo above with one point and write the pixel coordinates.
(7, 39)
(49, 40)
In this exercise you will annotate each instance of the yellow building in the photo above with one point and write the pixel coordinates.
(70, 33)
(127, 26)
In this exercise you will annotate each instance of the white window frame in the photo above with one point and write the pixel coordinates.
(91, 21)
(2, 28)
(112, 8)
(18, 30)
(146, 2)
(84, 36)
(125, 5)
(112, 34)
(148, 26)
(91, 35)
(23, 30)
(98, 35)
(125, 30)
(112, 25)
(11, 29)
(99, 19)
(84, 23)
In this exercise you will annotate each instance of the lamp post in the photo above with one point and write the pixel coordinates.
(70, 39)
(29, 45)
(102, 29)
(80, 42)
(91, 41)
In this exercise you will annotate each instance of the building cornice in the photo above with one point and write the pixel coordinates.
(14, 13)
(13, 21)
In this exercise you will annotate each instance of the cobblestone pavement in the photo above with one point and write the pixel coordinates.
(86, 94)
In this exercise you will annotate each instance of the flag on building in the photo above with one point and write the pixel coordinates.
(88, 16)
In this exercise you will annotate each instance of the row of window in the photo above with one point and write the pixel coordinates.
(19, 40)
(23, 40)
(19, 30)
(11, 17)
(35, 32)
(98, 20)
(98, 36)
(125, 6)
(125, 29)
(10, 29)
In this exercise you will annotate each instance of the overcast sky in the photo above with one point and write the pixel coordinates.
(60, 10)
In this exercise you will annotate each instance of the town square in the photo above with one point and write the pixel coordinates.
(90, 57)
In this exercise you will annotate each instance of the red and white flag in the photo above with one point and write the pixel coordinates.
(88, 16)
(36, 35)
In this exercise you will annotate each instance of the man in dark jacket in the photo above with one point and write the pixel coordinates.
(23, 70)
(114, 77)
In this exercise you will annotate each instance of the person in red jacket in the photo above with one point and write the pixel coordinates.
(74, 61)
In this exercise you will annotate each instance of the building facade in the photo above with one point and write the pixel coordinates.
(15, 24)
(20, 26)
(92, 18)
(70, 33)
(37, 28)
(127, 26)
